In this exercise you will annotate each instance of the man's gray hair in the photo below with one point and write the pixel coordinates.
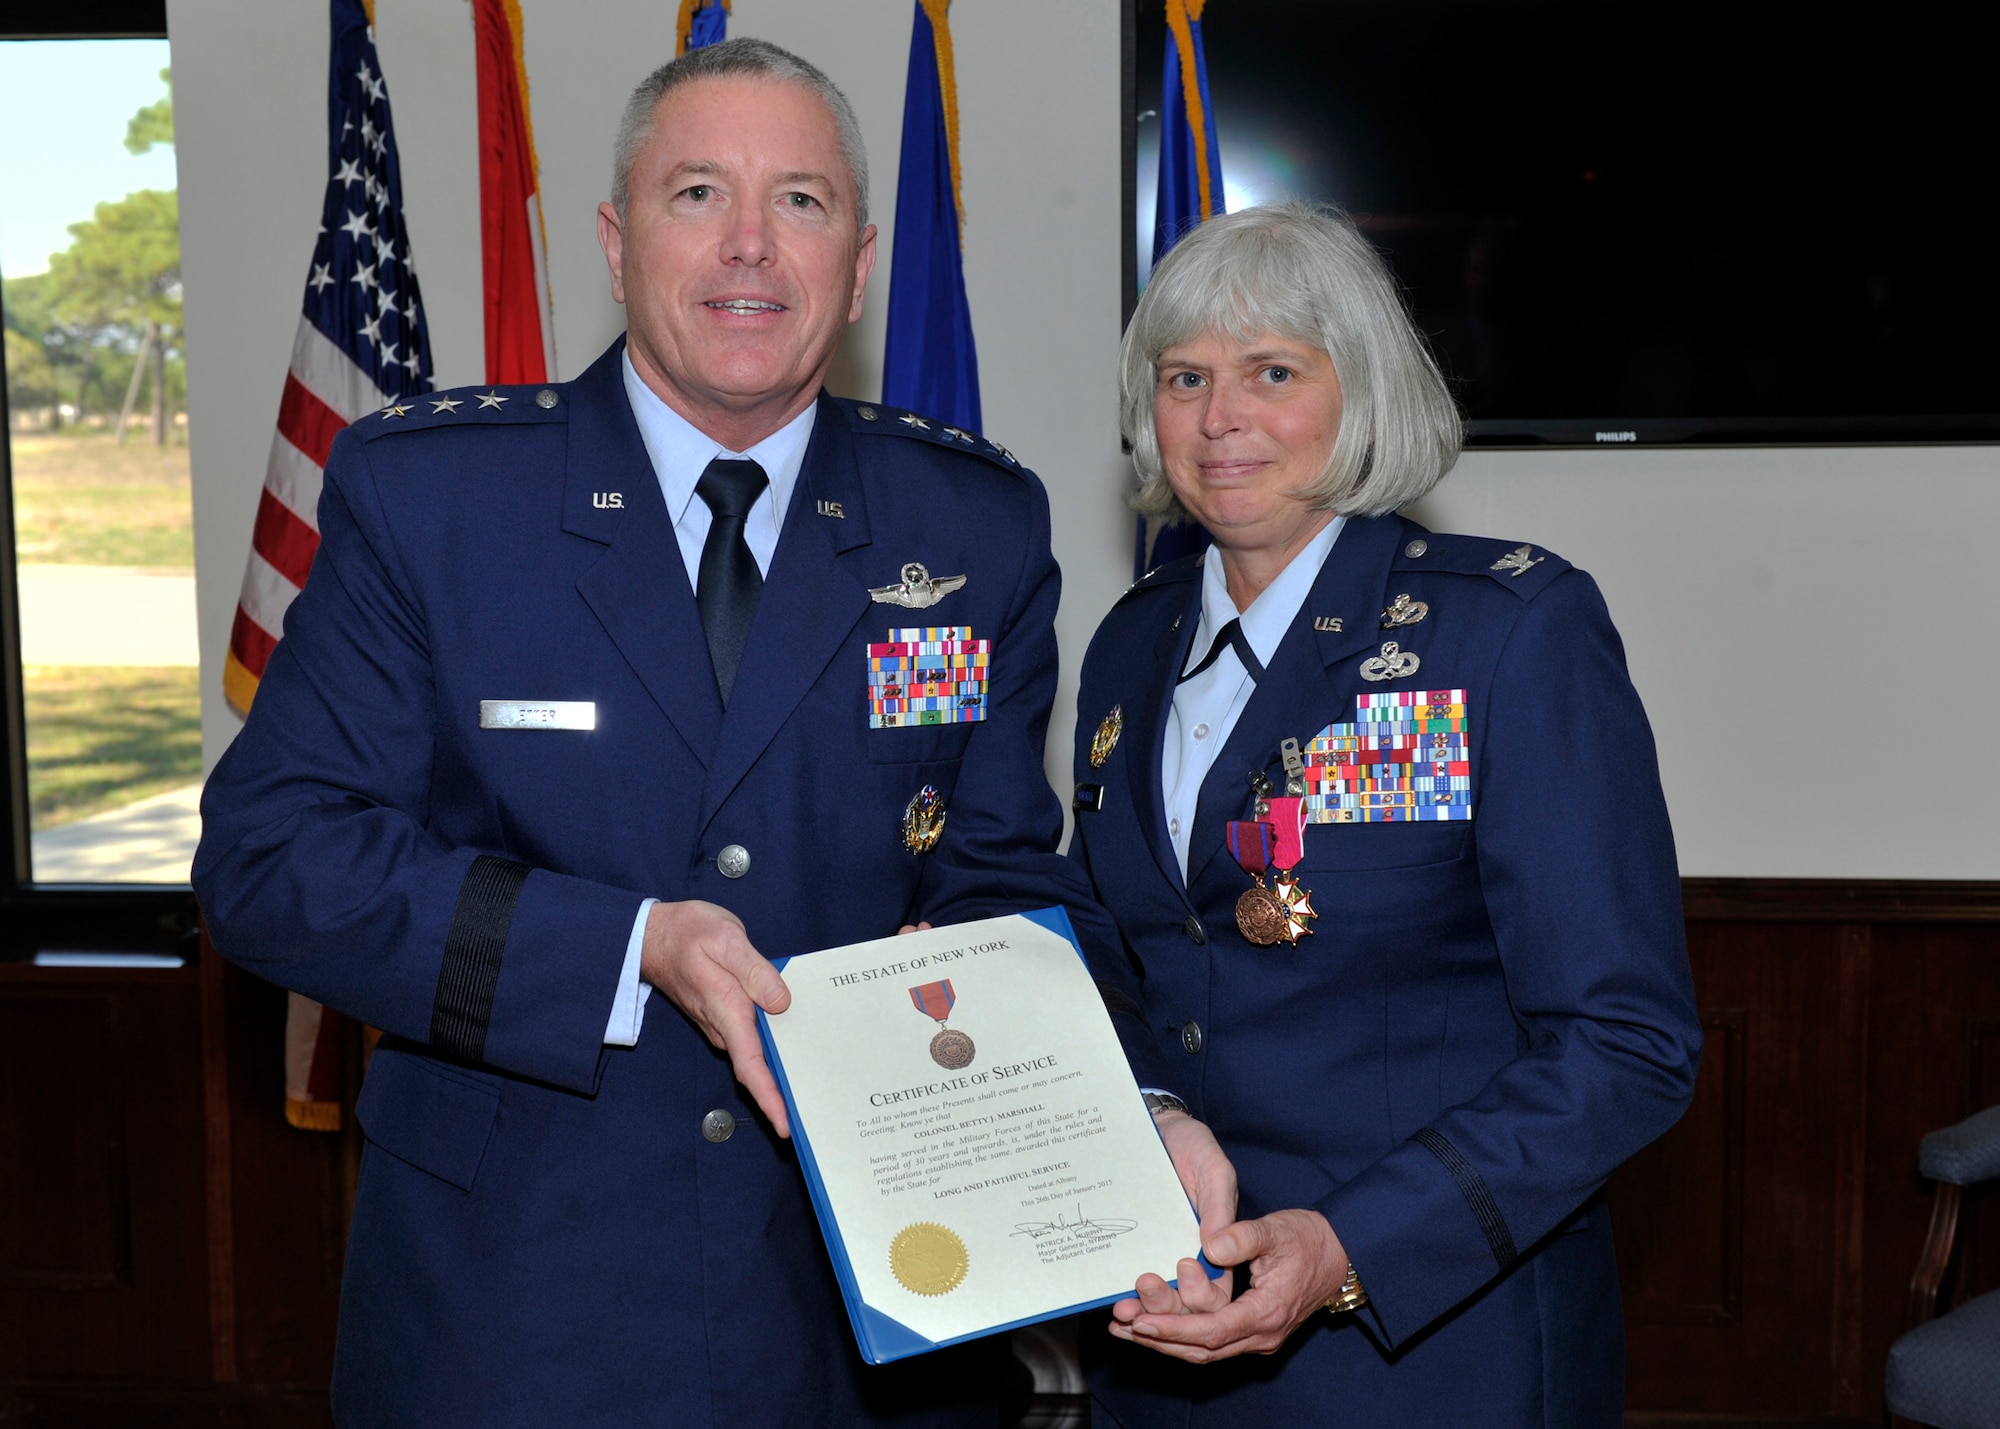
(1303, 272)
(757, 59)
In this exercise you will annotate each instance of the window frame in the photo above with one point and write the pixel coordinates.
(34, 915)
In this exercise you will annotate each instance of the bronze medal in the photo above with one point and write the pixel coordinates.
(1261, 916)
(952, 1049)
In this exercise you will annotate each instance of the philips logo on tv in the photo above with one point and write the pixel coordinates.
(1618, 436)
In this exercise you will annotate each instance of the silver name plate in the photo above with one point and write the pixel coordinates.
(537, 714)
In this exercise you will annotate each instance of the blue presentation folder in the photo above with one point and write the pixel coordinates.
(881, 1338)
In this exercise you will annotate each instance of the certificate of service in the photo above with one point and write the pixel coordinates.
(977, 1150)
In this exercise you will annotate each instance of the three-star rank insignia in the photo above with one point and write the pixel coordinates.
(1106, 738)
(923, 820)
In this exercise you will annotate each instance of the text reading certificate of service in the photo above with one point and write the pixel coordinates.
(978, 1152)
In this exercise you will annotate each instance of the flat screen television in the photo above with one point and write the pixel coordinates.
(1636, 222)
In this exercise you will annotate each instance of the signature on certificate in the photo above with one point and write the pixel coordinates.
(1078, 1227)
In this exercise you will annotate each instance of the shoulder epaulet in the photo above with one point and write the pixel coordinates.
(465, 406)
(872, 419)
(1187, 568)
(1522, 568)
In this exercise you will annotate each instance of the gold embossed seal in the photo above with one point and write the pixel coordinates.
(928, 1259)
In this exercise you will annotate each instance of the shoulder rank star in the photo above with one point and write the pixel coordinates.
(1106, 738)
(1517, 561)
(916, 590)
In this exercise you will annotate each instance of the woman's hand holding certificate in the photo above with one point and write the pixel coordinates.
(978, 1152)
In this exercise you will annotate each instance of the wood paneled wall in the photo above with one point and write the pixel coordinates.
(1767, 1241)
(170, 1248)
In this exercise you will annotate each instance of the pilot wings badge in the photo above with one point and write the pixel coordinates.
(916, 590)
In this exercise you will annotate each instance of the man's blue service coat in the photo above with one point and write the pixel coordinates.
(1489, 1016)
(543, 1234)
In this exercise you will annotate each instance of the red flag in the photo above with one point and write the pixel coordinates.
(520, 331)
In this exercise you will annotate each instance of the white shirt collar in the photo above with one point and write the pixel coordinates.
(681, 452)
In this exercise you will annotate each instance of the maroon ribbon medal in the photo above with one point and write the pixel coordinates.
(1259, 915)
(949, 1049)
(1280, 912)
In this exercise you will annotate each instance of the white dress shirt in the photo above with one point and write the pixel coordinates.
(680, 453)
(1206, 707)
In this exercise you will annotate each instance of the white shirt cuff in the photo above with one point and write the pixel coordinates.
(629, 1009)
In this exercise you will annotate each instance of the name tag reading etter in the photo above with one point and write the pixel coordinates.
(538, 714)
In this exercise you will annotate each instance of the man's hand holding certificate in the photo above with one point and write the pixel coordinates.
(977, 1150)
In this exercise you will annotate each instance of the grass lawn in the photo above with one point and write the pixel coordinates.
(101, 736)
(81, 499)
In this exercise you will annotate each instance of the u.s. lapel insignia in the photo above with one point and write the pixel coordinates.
(1106, 738)
(916, 590)
(1404, 611)
(833, 509)
(1392, 664)
(923, 820)
(1328, 624)
(1517, 561)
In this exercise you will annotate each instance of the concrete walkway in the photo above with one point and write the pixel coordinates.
(151, 841)
(107, 615)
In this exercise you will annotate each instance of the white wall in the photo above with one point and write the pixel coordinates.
(1799, 621)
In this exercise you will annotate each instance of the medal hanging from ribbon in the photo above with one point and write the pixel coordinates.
(949, 1049)
(1282, 911)
(1259, 914)
(1288, 820)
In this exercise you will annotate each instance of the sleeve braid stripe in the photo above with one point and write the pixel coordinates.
(472, 951)
(1473, 1187)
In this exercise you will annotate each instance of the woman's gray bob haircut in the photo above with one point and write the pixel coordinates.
(757, 59)
(1303, 272)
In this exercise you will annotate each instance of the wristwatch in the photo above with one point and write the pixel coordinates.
(1157, 1102)
(1350, 1296)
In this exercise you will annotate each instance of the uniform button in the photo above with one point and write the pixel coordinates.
(867, 414)
(1193, 929)
(733, 861)
(1201, 731)
(1190, 1039)
(1416, 548)
(718, 1126)
(546, 399)
(1174, 827)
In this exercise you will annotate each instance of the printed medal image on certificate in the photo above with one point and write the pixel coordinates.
(977, 1150)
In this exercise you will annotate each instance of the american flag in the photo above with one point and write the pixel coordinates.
(361, 343)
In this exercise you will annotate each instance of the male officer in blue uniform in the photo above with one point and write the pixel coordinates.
(569, 731)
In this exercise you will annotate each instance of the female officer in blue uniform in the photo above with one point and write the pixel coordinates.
(1378, 814)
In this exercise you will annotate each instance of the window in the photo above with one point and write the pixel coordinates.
(103, 762)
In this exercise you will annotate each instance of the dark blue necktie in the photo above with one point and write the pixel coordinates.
(730, 582)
